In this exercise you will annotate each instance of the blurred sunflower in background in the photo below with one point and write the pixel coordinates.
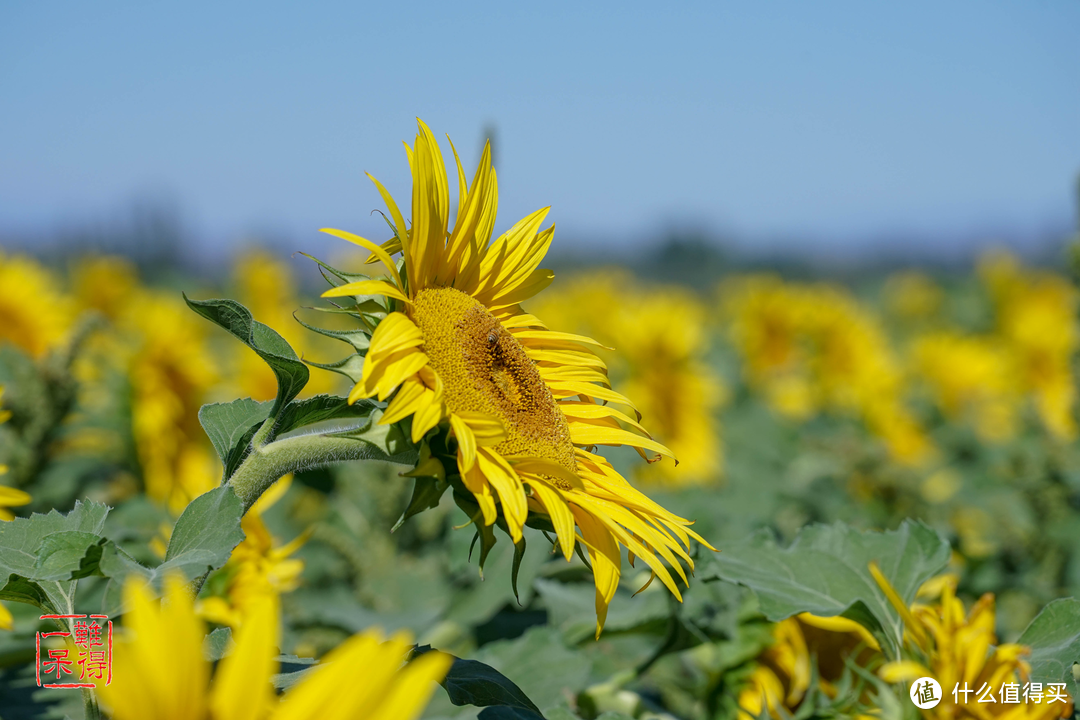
(267, 287)
(1035, 314)
(971, 379)
(523, 402)
(657, 342)
(168, 388)
(807, 652)
(9, 496)
(33, 315)
(810, 348)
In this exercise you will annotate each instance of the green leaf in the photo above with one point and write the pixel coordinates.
(473, 683)
(572, 609)
(206, 532)
(427, 491)
(226, 423)
(319, 409)
(428, 488)
(117, 565)
(1054, 639)
(502, 712)
(545, 669)
(293, 669)
(19, 589)
(390, 439)
(68, 555)
(218, 644)
(351, 367)
(359, 339)
(231, 426)
(519, 552)
(50, 586)
(292, 374)
(825, 572)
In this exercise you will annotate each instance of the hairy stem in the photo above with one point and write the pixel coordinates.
(265, 465)
(267, 462)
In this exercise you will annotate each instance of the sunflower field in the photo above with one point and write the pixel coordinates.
(427, 478)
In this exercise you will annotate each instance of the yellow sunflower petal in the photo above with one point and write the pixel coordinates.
(388, 374)
(466, 443)
(488, 429)
(12, 497)
(562, 519)
(903, 671)
(367, 287)
(585, 434)
(411, 690)
(242, 689)
(606, 559)
(476, 482)
(374, 249)
(501, 476)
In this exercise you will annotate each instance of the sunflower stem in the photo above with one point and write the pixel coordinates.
(267, 463)
(264, 433)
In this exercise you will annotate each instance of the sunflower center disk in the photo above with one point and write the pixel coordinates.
(485, 369)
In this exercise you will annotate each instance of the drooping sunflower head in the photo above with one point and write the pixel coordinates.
(517, 406)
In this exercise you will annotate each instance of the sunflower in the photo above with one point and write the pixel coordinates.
(958, 649)
(106, 283)
(26, 320)
(523, 402)
(160, 673)
(660, 336)
(171, 371)
(971, 377)
(810, 348)
(1036, 318)
(807, 650)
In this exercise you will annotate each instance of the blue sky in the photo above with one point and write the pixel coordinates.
(834, 121)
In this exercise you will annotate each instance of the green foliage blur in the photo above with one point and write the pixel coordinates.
(932, 402)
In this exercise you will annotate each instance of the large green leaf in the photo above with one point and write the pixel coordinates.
(1054, 639)
(292, 374)
(41, 557)
(826, 572)
(203, 539)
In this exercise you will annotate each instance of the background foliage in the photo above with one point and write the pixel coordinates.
(809, 416)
